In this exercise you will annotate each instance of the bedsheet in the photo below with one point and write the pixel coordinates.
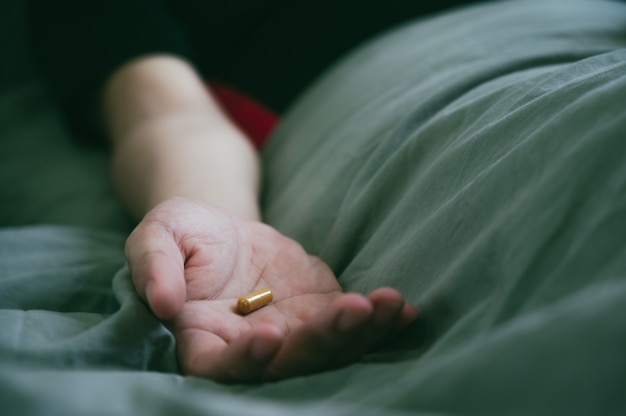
(476, 161)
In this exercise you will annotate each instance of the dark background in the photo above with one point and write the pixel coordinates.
(16, 64)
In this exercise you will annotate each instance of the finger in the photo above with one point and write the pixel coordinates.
(391, 314)
(157, 268)
(387, 307)
(386, 300)
(408, 315)
(245, 359)
(311, 347)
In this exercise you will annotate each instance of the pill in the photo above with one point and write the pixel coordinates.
(253, 301)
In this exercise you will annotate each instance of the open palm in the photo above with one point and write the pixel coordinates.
(192, 261)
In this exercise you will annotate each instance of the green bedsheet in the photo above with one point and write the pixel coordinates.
(476, 161)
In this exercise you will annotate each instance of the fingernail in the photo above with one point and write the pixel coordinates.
(148, 290)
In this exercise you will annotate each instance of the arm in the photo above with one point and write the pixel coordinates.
(172, 140)
(192, 179)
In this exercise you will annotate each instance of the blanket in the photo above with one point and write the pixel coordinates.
(475, 160)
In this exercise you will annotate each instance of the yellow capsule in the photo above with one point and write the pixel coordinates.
(253, 301)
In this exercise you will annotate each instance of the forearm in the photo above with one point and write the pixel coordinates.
(172, 140)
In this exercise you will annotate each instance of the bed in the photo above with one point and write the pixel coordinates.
(475, 160)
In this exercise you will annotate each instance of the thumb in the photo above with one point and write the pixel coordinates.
(157, 268)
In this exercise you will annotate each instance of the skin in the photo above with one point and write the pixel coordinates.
(192, 180)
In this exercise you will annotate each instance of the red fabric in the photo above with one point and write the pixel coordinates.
(256, 120)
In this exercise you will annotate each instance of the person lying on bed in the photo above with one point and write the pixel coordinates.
(191, 176)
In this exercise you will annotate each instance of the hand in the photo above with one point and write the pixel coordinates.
(191, 262)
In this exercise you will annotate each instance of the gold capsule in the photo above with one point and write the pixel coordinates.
(253, 301)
